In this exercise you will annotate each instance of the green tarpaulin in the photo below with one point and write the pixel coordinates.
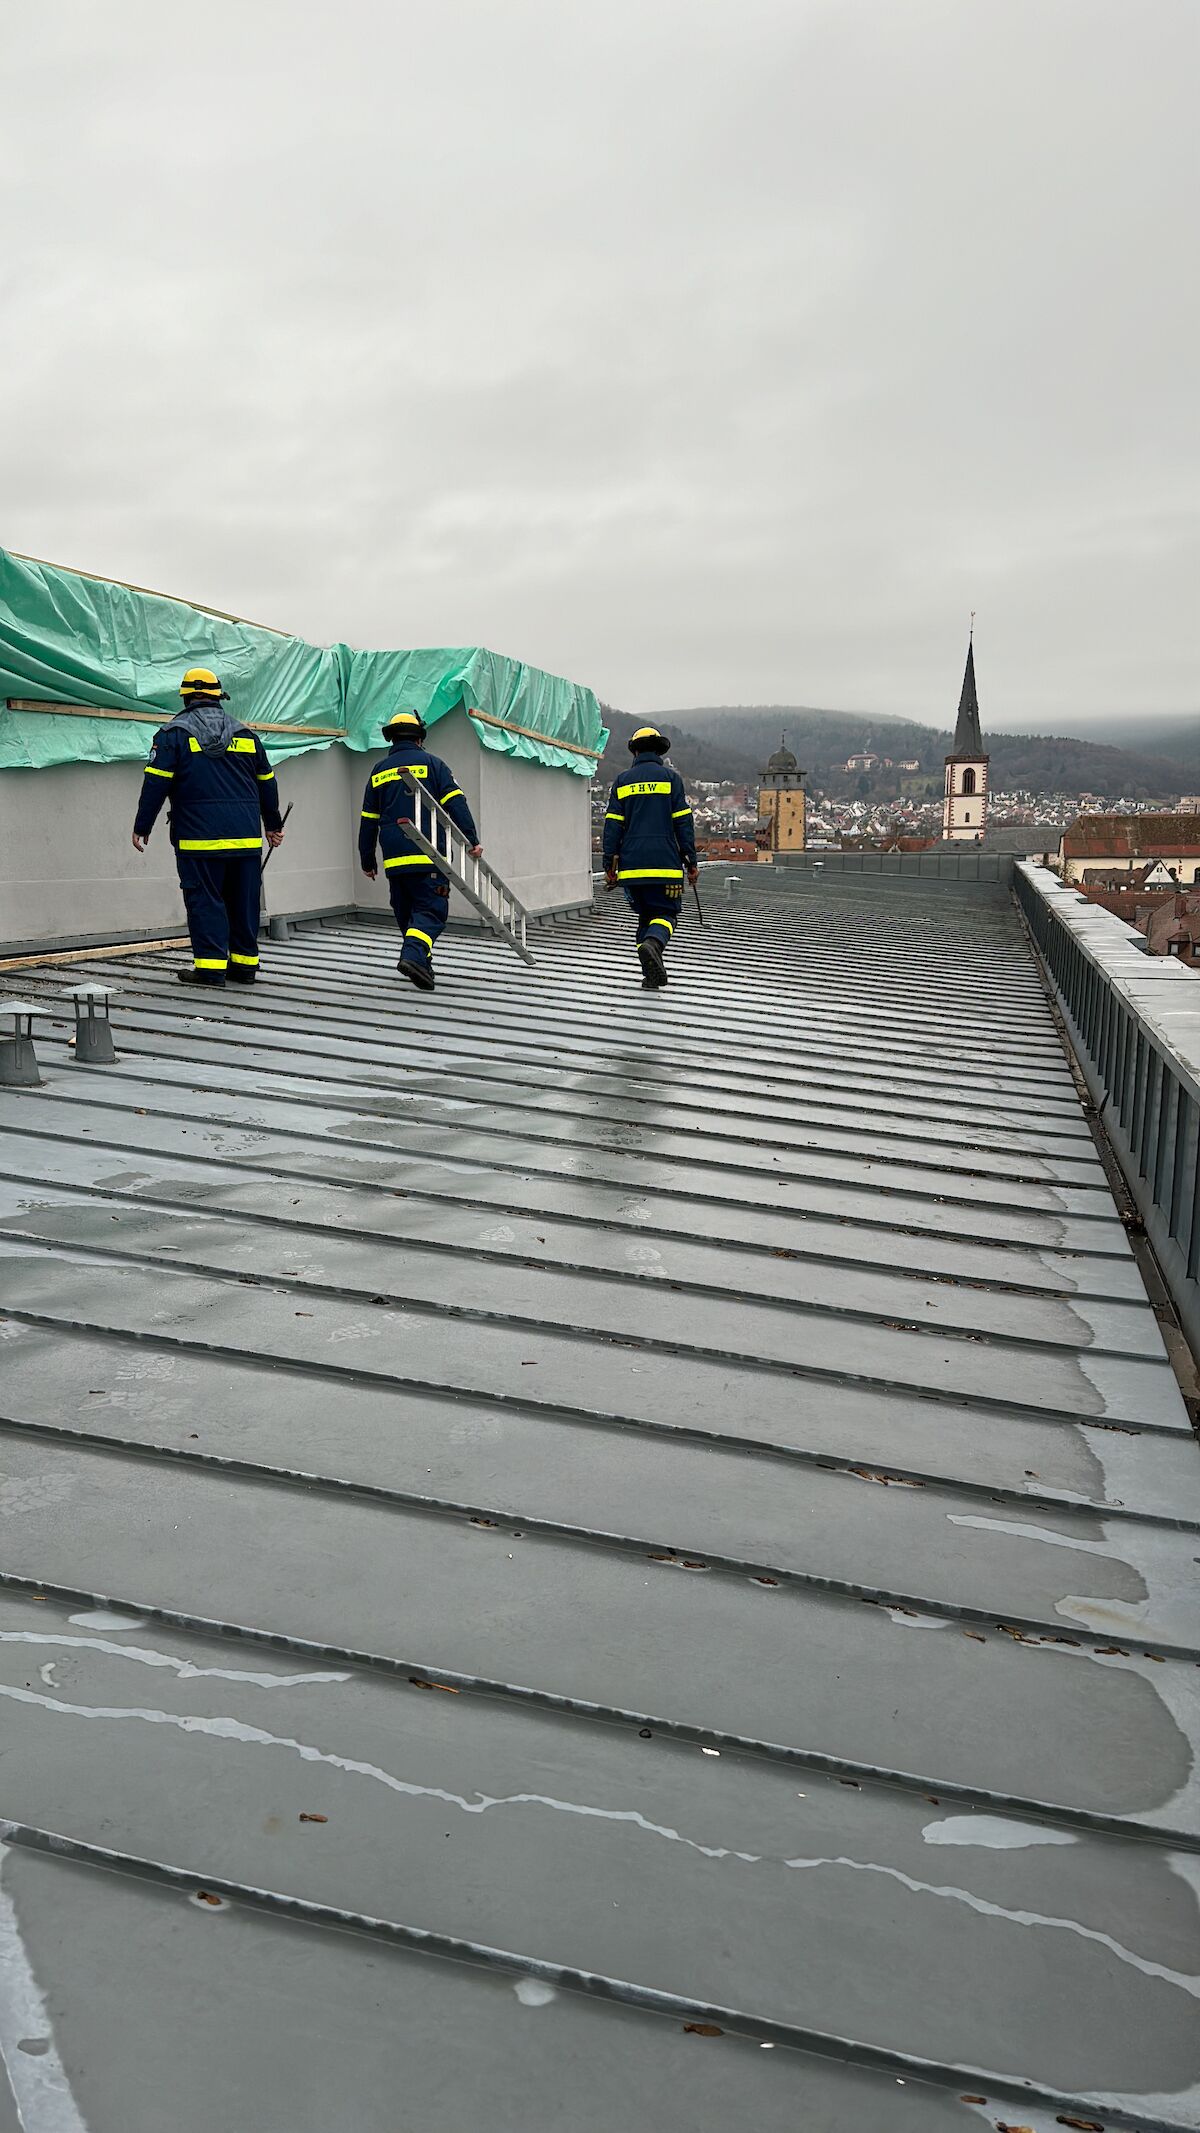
(72, 639)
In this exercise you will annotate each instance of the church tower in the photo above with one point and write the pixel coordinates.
(964, 811)
(782, 802)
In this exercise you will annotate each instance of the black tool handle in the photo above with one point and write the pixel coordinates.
(270, 848)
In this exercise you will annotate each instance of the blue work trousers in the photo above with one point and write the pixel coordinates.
(420, 898)
(658, 905)
(221, 893)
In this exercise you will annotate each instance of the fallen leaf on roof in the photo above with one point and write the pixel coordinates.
(703, 2029)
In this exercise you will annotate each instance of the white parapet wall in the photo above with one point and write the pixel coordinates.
(69, 873)
(1134, 1024)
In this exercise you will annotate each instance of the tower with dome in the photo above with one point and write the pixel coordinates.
(782, 804)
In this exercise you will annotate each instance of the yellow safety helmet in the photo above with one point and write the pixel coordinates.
(405, 725)
(201, 681)
(650, 738)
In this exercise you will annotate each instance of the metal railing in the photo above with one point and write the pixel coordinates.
(1134, 1022)
(438, 836)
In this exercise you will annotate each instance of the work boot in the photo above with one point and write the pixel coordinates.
(242, 977)
(201, 977)
(418, 974)
(650, 956)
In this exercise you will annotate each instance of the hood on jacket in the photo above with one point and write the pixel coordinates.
(208, 723)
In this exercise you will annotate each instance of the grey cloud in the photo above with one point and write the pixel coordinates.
(724, 353)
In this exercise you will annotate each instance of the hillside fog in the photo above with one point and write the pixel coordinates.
(1150, 760)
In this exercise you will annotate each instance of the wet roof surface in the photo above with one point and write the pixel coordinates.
(656, 1510)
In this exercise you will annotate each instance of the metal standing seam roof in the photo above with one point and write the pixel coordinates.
(574, 1558)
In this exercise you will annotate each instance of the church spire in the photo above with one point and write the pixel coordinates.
(968, 739)
(964, 813)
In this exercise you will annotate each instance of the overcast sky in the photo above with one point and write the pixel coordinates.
(706, 351)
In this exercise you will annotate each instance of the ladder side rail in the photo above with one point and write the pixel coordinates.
(445, 844)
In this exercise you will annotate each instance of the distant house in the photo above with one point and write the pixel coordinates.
(1025, 840)
(886, 841)
(726, 848)
(864, 760)
(1125, 844)
(910, 762)
(1156, 874)
(1172, 926)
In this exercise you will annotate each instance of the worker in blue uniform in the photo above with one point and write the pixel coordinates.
(419, 892)
(649, 844)
(222, 791)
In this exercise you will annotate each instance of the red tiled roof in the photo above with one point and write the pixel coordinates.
(1133, 837)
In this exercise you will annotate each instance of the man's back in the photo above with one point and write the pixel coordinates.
(649, 823)
(215, 795)
(390, 802)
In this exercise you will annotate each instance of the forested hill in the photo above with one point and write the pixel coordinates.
(712, 741)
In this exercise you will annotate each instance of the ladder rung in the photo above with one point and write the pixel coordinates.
(440, 837)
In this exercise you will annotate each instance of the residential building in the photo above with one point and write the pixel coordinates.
(1104, 845)
(1171, 925)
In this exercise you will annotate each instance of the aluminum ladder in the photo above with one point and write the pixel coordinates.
(443, 841)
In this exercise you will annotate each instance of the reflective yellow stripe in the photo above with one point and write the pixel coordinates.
(265, 776)
(676, 812)
(193, 744)
(408, 859)
(370, 814)
(243, 958)
(455, 795)
(151, 772)
(245, 745)
(414, 933)
(654, 922)
(219, 844)
(648, 785)
(650, 874)
(386, 777)
(610, 817)
(208, 962)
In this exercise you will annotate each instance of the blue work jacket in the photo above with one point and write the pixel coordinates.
(388, 803)
(649, 834)
(219, 803)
